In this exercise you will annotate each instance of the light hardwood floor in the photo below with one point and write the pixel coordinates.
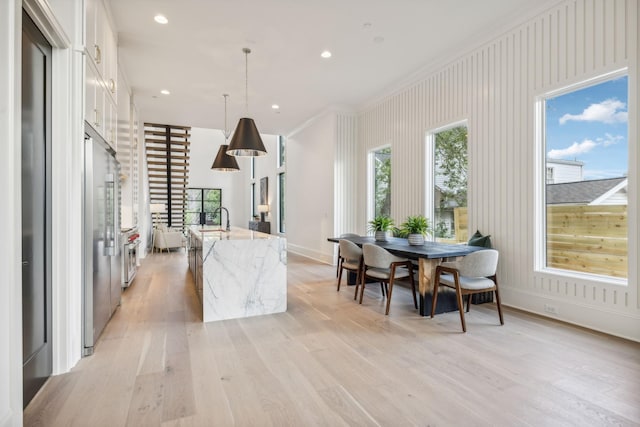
(328, 361)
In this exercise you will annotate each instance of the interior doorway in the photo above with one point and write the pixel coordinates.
(36, 209)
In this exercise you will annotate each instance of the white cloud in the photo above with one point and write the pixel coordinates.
(609, 139)
(574, 150)
(608, 111)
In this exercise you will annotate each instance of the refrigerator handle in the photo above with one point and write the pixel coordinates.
(110, 223)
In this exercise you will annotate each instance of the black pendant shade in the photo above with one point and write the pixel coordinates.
(223, 161)
(246, 140)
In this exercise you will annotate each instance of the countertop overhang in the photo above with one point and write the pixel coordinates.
(208, 233)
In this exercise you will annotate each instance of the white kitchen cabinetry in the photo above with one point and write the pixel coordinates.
(101, 72)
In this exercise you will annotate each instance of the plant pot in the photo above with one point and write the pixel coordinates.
(381, 236)
(416, 239)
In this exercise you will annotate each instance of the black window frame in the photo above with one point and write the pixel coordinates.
(203, 214)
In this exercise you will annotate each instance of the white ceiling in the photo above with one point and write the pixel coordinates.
(198, 54)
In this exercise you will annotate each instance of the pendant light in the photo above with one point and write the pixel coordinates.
(223, 161)
(246, 139)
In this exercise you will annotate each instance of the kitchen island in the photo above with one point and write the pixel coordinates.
(238, 273)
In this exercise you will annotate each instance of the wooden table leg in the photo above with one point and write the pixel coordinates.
(426, 272)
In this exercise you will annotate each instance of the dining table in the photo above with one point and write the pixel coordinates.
(428, 256)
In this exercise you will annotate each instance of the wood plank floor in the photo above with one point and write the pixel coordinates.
(328, 361)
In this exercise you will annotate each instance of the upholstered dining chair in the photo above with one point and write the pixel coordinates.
(379, 264)
(472, 274)
(351, 259)
(340, 259)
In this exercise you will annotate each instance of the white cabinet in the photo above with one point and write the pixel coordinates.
(94, 98)
(101, 71)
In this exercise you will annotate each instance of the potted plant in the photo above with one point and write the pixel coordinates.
(414, 229)
(380, 225)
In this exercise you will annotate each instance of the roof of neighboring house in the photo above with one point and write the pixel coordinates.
(583, 192)
(565, 162)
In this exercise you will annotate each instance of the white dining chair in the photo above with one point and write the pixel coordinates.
(380, 265)
(351, 260)
(340, 258)
(472, 274)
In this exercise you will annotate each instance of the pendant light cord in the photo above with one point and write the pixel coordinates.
(225, 116)
(226, 128)
(246, 51)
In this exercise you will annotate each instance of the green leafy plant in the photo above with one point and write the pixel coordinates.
(417, 224)
(381, 223)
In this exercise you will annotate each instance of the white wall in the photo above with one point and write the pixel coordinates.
(494, 87)
(203, 150)
(235, 185)
(310, 188)
(10, 251)
(266, 166)
(61, 23)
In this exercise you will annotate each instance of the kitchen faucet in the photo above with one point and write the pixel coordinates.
(225, 209)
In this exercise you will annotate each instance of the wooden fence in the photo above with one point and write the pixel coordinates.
(590, 239)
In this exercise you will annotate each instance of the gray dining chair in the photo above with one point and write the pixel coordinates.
(380, 265)
(351, 259)
(472, 274)
(340, 259)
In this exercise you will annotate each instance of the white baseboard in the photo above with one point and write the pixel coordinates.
(621, 324)
(310, 253)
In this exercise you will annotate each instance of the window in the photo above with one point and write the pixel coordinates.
(380, 182)
(281, 151)
(585, 145)
(254, 207)
(450, 184)
(201, 206)
(549, 175)
(281, 197)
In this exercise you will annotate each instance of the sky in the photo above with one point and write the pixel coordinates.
(590, 125)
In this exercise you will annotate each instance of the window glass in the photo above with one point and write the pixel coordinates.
(450, 192)
(201, 205)
(281, 151)
(382, 182)
(253, 167)
(281, 197)
(254, 207)
(586, 163)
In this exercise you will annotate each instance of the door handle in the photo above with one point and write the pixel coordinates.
(25, 262)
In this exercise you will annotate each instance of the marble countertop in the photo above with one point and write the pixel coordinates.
(209, 233)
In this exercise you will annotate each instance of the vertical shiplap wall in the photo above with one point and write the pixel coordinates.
(346, 169)
(495, 88)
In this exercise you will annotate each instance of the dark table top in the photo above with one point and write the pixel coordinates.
(401, 247)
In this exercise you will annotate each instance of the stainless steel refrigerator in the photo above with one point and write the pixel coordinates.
(102, 281)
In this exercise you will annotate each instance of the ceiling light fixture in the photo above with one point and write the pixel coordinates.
(161, 19)
(223, 161)
(275, 106)
(165, 92)
(246, 139)
(326, 54)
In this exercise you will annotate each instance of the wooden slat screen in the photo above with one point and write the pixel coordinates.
(167, 150)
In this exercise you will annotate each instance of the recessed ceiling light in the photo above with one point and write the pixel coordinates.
(326, 54)
(161, 19)
(165, 92)
(275, 106)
